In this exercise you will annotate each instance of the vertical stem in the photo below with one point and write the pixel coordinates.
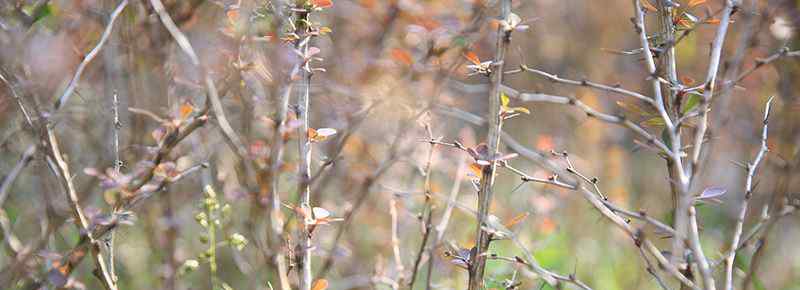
(304, 175)
(304, 147)
(118, 170)
(668, 30)
(482, 240)
(210, 203)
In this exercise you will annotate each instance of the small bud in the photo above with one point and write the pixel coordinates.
(238, 241)
(188, 266)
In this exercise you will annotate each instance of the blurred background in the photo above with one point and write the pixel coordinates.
(385, 63)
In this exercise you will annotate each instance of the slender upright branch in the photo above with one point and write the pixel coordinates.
(482, 240)
(711, 78)
(748, 193)
(427, 210)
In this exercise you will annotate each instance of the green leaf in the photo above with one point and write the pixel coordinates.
(691, 102)
(654, 122)
(665, 138)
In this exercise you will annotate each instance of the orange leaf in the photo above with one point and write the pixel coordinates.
(547, 225)
(312, 133)
(517, 219)
(476, 169)
(320, 284)
(402, 56)
(322, 3)
(687, 81)
(233, 15)
(712, 21)
(185, 110)
(649, 7)
(472, 57)
(693, 3)
(545, 143)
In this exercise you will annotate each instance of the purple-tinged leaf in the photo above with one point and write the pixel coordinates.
(712, 192)
(711, 195)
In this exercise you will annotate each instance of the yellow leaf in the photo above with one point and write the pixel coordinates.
(504, 100)
(325, 30)
(521, 110)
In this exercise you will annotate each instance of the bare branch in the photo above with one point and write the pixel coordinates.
(89, 57)
(584, 83)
